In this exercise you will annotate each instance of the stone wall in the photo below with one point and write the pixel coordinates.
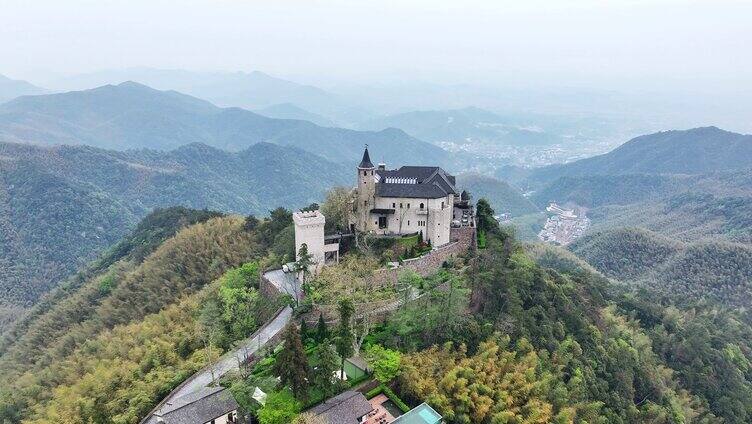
(267, 289)
(463, 240)
(377, 311)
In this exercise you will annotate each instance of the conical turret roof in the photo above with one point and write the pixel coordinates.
(366, 162)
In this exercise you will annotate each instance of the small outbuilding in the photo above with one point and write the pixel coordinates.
(348, 407)
(214, 405)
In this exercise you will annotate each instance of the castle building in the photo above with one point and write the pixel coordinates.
(408, 200)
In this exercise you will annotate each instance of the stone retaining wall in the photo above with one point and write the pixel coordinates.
(267, 289)
(463, 240)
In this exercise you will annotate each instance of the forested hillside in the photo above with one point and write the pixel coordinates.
(710, 270)
(110, 343)
(134, 116)
(60, 206)
(568, 347)
(508, 333)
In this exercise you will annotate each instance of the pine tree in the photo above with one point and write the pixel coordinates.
(328, 364)
(345, 336)
(292, 363)
(322, 332)
(303, 330)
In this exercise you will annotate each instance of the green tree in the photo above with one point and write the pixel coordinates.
(303, 330)
(240, 299)
(280, 408)
(210, 325)
(337, 208)
(345, 336)
(304, 263)
(250, 223)
(484, 214)
(322, 332)
(385, 363)
(327, 366)
(292, 363)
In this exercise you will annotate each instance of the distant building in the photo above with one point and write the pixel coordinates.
(209, 405)
(349, 407)
(411, 199)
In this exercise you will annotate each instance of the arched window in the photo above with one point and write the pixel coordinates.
(422, 206)
(365, 173)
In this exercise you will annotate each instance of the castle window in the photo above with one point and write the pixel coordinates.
(442, 205)
(394, 205)
(365, 203)
(408, 223)
(365, 173)
(400, 205)
(408, 206)
(422, 206)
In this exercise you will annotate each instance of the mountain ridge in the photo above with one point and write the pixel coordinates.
(694, 151)
(133, 115)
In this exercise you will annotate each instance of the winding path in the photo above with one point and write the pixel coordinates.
(230, 360)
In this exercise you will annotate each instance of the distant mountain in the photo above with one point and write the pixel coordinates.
(131, 115)
(503, 198)
(59, 206)
(462, 125)
(694, 151)
(248, 90)
(717, 271)
(290, 111)
(10, 89)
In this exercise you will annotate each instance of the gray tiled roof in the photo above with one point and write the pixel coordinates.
(198, 407)
(431, 182)
(345, 408)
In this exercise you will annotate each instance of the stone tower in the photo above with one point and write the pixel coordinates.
(309, 229)
(366, 192)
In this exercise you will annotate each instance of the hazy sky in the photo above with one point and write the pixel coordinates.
(656, 42)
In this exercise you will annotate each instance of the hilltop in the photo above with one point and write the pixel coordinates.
(133, 116)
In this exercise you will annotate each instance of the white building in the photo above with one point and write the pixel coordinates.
(411, 199)
(309, 230)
